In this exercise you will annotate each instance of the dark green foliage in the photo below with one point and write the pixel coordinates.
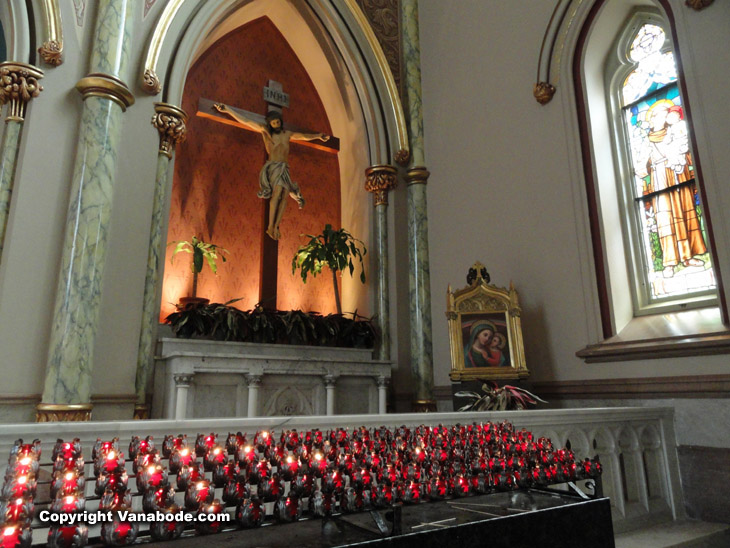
(333, 248)
(224, 323)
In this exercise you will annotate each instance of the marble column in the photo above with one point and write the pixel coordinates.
(417, 176)
(182, 385)
(329, 386)
(254, 382)
(379, 180)
(84, 249)
(18, 85)
(170, 123)
(382, 383)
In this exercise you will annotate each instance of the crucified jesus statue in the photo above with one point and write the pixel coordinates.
(274, 179)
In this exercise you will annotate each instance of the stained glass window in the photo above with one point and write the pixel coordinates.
(674, 242)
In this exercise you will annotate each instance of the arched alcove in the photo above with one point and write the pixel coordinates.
(341, 78)
(216, 173)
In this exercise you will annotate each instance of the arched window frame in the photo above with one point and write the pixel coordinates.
(615, 332)
(618, 67)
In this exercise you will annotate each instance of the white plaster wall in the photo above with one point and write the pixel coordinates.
(503, 188)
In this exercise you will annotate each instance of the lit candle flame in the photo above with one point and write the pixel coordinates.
(8, 531)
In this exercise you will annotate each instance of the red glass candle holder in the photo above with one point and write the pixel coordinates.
(14, 536)
(321, 504)
(119, 533)
(189, 474)
(214, 455)
(198, 493)
(288, 509)
(158, 499)
(169, 528)
(204, 442)
(170, 443)
(250, 513)
(102, 448)
(152, 477)
(140, 446)
(209, 526)
(234, 442)
(180, 457)
(114, 500)
(69, 504)
(72, 536)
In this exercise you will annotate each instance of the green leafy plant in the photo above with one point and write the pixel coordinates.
(335, 249)
(202, 253)
(225, 323)
(496, 398)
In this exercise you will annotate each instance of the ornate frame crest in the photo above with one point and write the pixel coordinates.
(483, 307)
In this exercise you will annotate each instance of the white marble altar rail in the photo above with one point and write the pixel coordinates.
(636, 446)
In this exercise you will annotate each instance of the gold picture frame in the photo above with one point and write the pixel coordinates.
(485, 331)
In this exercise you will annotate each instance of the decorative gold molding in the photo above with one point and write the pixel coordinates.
(382, 61)
(150, 81)
(543, 92)
(402, 156)
(417, 175)
(107, 86)
(51, 412)
(170, 121)
(698, 4)
(423, 406)
(52, 52)
(141, 411)
(52, 49)
(380, 180)
(18, 85)
(384, 18)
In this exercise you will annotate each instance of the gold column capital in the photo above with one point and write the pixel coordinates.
(52, 412)
(18, 85)
(107, 86)
(417, 175)
(170, 121)
(379, 180)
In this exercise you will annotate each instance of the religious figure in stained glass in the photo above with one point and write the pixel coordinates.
(677, 261)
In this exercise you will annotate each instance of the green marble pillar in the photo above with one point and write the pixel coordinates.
(18, 85)
(419, 276)
(170, 122)
(380, 180)
(76, 311)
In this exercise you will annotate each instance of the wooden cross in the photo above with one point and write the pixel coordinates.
(276, 100)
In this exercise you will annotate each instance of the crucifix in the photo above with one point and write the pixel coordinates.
(274, 179)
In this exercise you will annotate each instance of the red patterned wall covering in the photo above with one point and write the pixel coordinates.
(216, 175)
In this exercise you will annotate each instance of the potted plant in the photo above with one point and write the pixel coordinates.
(202, 253)
(335, 249)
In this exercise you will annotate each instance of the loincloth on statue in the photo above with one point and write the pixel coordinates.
(277, 174)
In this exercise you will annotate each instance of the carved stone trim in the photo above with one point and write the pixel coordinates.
(151, 82)
(424, 406)
(52, 52)
(107, 86)
(253, 380)
(543, 92)
(18, 85)
(698, 4)
(381, 381)
(170, 121)
(329, 380)
(51, 412)
(379, 180)
(183, 379)
(417, 175)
